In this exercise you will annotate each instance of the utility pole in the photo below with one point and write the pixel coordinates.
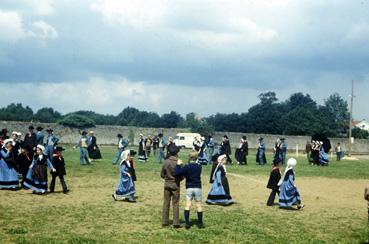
(350, 123)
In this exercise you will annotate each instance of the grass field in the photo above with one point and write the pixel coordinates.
(334, 212)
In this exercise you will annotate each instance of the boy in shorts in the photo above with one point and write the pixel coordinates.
(192, 173)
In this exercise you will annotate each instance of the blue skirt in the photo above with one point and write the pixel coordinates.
(289, 194)
(126, 187)
(217, 193)
(8, 176)
(35, 185)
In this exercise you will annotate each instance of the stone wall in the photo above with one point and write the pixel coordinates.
(106, 135)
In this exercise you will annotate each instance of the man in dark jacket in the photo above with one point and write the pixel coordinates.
(30, 139)
(59, 165)
(171, 188)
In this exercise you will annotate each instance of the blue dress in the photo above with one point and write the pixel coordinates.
(323, 157)
(36, 178)
(218, 194)
(126, 187)
(260, 155)
(203, 159)
(8, 175)
(289, 194)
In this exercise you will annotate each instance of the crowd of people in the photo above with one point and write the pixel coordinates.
(29, 160)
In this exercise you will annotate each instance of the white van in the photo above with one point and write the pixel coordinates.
(185, 140)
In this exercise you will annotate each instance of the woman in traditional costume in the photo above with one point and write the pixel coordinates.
(219, 191)
(36, 178)
(260, 155)
(126, 187)
(323, 156)
(202, 159)
(242, 151)
(8, 174)
(93, 148)
(289, 195)
(142, 156)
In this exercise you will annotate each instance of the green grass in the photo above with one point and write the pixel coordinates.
(89, 215)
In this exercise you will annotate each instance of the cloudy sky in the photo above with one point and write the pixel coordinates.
(202, 56)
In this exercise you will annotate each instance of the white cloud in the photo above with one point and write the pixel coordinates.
(41, 7)
(44, 30)
(11, 26)
(138, 13)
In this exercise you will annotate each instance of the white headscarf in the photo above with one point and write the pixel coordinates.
(124, 156)
(291, 163)
(220, 159)
(8, 141)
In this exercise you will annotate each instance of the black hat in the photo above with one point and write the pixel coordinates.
(59, 149)
(132, 152)
(31, 127)
(119, 135)
(244, 137)
(39, 128)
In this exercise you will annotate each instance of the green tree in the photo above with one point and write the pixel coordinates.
(77, 121)
(47, 115)
(16, 112)
(338, 109)
(171, 120)
(359, 133)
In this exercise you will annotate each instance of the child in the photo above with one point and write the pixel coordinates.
(274, 178)
(289, 194)
(126, 188)
(192, 173)
(24, 161)
(59, 165)
(37, 174)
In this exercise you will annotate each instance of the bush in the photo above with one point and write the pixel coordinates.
(77, 121)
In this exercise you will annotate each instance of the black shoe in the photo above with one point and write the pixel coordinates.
(187, 226)
(177, 226)
(66, 191)
(164, 225)
(200, 225)
(51, 191)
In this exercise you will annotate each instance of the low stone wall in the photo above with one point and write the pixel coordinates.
(106, 135)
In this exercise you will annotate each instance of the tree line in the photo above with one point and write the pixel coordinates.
(298, 115)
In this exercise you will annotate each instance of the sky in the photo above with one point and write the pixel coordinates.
(202, 56)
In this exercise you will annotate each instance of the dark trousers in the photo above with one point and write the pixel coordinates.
(171, 194)
(52, 184)
(271, 198)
